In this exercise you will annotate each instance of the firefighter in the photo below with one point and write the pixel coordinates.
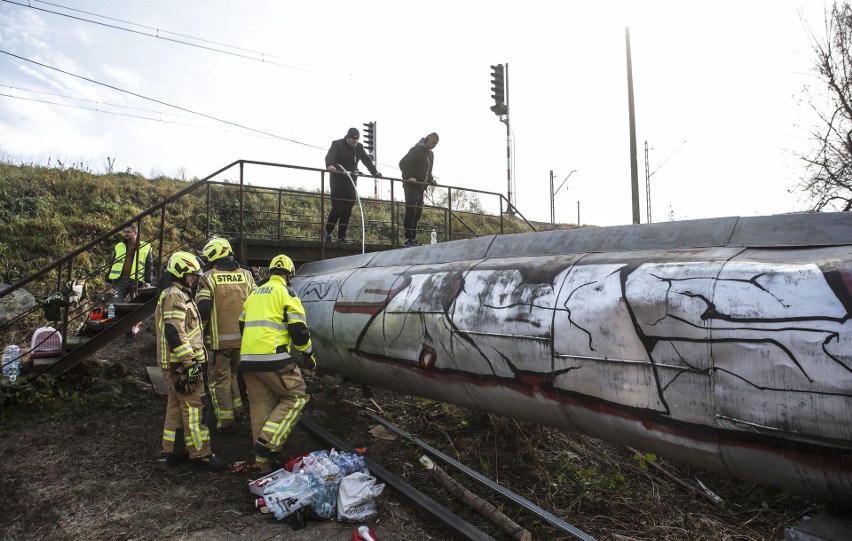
(180, 350)
(221, 294)
(273, 319)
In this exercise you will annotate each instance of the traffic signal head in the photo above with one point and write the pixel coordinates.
(498, 86)
(370, 138)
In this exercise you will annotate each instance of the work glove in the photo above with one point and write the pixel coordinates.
(310, 361)
(192, 375)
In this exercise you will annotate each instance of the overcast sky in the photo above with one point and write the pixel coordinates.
(718, 93)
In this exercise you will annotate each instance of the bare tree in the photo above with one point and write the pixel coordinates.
(828, 179)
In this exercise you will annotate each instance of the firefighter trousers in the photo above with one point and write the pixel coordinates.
(185, 415)
(276, 401)
(224, 386)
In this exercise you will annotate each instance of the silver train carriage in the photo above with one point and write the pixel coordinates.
(722, 343)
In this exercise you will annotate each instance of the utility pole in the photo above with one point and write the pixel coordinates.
(634, 168)
(500, 89)
(647, 184)
(552, 209)
(553, 195)
(652, 173)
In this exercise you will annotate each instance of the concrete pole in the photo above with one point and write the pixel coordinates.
(634, 167)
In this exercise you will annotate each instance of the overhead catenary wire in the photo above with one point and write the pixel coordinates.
(136, 116)
(157, 35)
(667, 159)
(139, 117)
(117, 89)
(263, 58)
(89, 100)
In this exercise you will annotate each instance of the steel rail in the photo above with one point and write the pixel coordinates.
(520, 500)
(465, 529)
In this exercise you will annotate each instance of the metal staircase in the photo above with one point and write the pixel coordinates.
(259, 221)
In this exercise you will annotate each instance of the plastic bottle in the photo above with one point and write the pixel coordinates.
(434, 237)
(11, 362)
(111, 311)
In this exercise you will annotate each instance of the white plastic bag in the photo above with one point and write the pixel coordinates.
(287, 494)
(356, 498)
(257, 486)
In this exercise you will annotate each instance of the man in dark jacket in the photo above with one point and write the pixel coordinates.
(344, 153)
(416, 167)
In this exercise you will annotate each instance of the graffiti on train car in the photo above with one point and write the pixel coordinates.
(659, 320)
(720, 347)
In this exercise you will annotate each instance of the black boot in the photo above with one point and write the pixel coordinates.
(178, 454)
(210, 463)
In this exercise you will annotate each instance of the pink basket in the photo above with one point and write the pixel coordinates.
(47, 342)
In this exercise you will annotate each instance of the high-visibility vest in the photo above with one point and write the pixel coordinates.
(140, 256)
(228, 290)
(266, 313)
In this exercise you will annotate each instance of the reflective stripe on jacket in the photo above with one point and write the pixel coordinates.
(176, 307)
(267, 313)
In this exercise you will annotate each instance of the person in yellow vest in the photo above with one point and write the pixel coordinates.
(221, 294)
(181, 355)
(132, 267)
(273, 319)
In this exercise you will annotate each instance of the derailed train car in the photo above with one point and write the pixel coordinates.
(723, 343)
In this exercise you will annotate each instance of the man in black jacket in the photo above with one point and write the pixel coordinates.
(416, 167)
(344, 153)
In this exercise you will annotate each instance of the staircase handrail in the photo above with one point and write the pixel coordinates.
(199, 184)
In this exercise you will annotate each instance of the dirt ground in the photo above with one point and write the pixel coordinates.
(96, 473)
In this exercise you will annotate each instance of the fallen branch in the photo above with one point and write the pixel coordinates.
(506, 525)
(712, 498)
(378, 407)
(359, 406)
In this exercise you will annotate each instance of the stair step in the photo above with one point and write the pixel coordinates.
(44, 361)
(73, 342)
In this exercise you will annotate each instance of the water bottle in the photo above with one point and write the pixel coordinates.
(11, 363)
(434, 237)
(111, 311)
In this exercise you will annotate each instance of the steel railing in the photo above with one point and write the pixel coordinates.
(238, 209)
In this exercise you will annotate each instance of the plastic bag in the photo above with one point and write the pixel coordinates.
(325, 479)
(257, 486)
(289, 493)
(356, 498)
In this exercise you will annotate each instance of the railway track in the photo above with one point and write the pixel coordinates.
(462, 528)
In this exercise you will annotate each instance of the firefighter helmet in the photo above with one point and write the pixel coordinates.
(216, 248)
(183, 263)
(282, 263)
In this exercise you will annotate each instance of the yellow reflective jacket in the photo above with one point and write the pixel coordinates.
(140, 271)
(228, 290)
(177, 309)
(273, 319)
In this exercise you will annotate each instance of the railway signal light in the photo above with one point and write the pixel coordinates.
(498, 89)
(370, 139)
